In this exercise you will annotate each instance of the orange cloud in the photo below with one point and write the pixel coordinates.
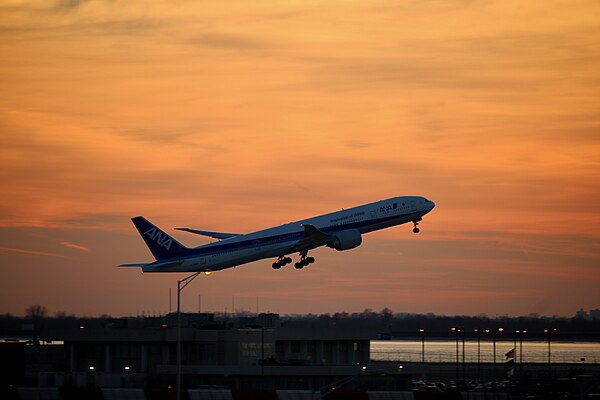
(74, 246)
(22, 252)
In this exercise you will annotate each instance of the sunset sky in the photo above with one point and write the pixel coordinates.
(236, 116)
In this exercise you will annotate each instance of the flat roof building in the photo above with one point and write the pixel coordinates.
(257, 352)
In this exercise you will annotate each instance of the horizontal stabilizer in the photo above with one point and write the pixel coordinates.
(165, 264)
(216, 235)
(134, 265)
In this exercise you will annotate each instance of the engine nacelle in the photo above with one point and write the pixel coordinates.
(346, 240)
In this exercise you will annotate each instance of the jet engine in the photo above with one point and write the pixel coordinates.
(346, 240)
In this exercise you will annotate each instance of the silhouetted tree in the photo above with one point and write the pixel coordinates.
(387, 314)
(36, 311)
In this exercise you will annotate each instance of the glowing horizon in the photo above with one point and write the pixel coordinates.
(237, 117)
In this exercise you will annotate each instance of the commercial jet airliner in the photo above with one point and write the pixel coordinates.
(340, 230)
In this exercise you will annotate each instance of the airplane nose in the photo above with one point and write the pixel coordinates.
(431, 205)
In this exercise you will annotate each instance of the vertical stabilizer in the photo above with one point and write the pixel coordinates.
(160, 244)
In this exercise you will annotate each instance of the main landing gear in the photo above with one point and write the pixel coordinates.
(416, 229)
(304, 261)
(281, 261)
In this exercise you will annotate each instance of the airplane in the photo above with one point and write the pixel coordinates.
(340, 230)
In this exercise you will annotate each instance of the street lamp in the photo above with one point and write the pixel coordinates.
(521, 353)
(180, 286)
(422, 345)
(463, 353)
(478, 332)
(549, 333)
(456, 330)
(496, 331)
(488, 331)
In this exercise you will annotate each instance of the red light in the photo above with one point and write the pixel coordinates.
(169, 387)
(164, 326)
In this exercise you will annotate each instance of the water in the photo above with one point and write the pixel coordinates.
(445, 351)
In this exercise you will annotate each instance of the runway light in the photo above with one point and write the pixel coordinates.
(127, 368)
(92, 368)
(401, 367)
(363, 368)
(81, 327)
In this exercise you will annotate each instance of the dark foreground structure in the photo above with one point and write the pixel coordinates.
(256, 358)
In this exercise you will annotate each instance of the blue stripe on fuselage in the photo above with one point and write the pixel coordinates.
(285, 237)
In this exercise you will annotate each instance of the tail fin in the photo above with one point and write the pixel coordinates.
(160, 244)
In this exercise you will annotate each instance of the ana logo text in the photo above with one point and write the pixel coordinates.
(389, 207)
(160, 238)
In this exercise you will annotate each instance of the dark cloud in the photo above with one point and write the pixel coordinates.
(69, 4)
(225, 41)
(199, 136)
(152, 135)
(358, 144)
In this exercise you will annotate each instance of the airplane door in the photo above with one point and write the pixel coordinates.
(413, 205)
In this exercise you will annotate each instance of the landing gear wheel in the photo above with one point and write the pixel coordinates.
(282, 262)
(304, 261)
(416, 229)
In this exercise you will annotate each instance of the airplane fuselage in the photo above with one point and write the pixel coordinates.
(341, 230)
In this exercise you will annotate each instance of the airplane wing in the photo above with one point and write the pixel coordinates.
(312, 238)
(216, 235)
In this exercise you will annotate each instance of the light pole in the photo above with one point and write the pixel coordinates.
(463, 354)
(515, 344)
(180, 286)
(478, 353)
(262, 355)
(496, 331)
(422, 345)
(549, 333)
(456, 330)
(521, 353)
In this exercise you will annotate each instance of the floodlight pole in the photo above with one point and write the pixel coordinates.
(180, 286)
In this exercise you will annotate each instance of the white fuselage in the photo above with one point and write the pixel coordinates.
(281, 240)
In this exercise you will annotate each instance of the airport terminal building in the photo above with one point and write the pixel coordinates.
(258, 352)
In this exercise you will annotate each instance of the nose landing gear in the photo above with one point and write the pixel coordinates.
(416, 229)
